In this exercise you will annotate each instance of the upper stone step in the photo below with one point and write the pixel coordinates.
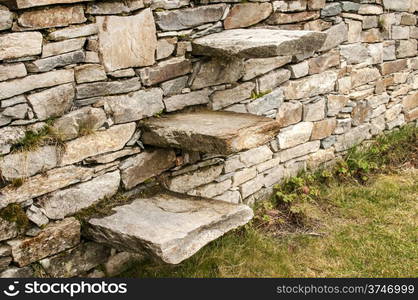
(216, 132)
(168, 226)
(258, 43)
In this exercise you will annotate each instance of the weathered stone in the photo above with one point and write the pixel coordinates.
(311, 86)
(255, 156)
(360, 113)
(130, 72)
(323, 129)
(278, 18)
(370, 22)
(13, 101)
(243, 176)
(53, 102)
(120, 262)
(331, 9)
(352, 137)
(247, 14)
(6, 18)
(16, 45)
(13, 272)
(299, 70)
(42, 184)
(126, 42)
(58, 16)
(26, 164)
(11, 71)
(300, 150)
(8, 230)
(320, 157)
(139, 168)
(259, 66)
(19, 111)
(74, 32)
(314, 111)
(400, 32)
(60, 204)
(5, 250)
(111, 157)
(362, 76)
(190, 17)
(336, 103)
(399, 121)
(258, 43)
(166, 47)
(165, 70)
(57, 48)
(288, 6)
(207, 131)
(33, 3)
(406, 48)
(211, 190)
(169, 4)
(324, 62)
(336, 35)
(89, 73)
(8, 137)
(108, 140)
(410, 101)
(76, 261)
(354, 53)
(230, 197)
(134, 106)
(272, 80)
(113, 8)
(269, 102)
(4, 262)
(252, 186)
(19, 86)
(174, 86)
(96, 89)
(393, 112)
(289, 113)
(402, 5)
(373, 35)
(294, 135)
(221, 99)
(151, 225)
(76, 122)
(411, 115)
(393, 66)
(368, 9)
(53, 239)
(355, 29)
(376, 53)
(181, 101)
(36, 216)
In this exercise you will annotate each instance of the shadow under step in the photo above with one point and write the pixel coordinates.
(171, 227)
(258, 43)
(215, 132)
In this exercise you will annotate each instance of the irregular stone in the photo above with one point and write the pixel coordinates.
(8, 230)
(108, 140)
(289, 113)
(189, 17)
(96, 89)
(230, 197)
(123, 73)
(259, 66)
(5, 250)
(113, 8)
(255, 156)
(314, 111)
(355, 29)
(76, 261)
(252, 186)
(174, 86)
(336, 103)
(211, 190)
(354, 53)
(399, 121)
(89, 73)
(299, 70)
(331, 9)
(8, 137)
(6, 18)
(178, 102)
(19, 86)
(258, 43)
(134, 106)
(352, 137)
(410, 101)
(362, 76)
(400, 32)
(403, 5)
(322, 63)
(120, 262)
(19, 111)
(62, 203)
(393, 66)
(393, 112)
(294, 135)
(111, 157)
(360, 113)
(411, 115)
(266, 103)
(165, 70)
(13, 272)
(57, 48)
(320, 157)
(300, 150)
(207, 131)
(368, 9)
(148, 164)
(151, 225)
(272, 80)
(169, 4)
(221, 99)
(53, 239)
(74, 123)
(166, 47)
(278, 18)
(406, 48)
(53, 102)
(126, 42)
(74, 32)
(16, 45)
(4, 262)
(26, 164)
(336, 35)
(311, 86)
(373, 35)
(12, 71)
(33, 3)
(57, 16)
(323, 129)
(247, 14)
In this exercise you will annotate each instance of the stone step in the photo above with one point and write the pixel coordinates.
(216, 132)
(258, 43)
(171, 227)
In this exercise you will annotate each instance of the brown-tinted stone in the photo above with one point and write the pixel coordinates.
(393, 66)
(278, 18)
(165, 70)
(247, 14)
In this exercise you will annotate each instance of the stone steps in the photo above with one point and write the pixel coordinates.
(216, 132)
(171, 227)
(258, 43)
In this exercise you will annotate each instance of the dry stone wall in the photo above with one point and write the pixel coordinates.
(77, 77)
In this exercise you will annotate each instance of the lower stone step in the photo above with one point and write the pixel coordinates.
(215, 132)
(171, 227)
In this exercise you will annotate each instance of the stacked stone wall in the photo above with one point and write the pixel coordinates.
(77, 77)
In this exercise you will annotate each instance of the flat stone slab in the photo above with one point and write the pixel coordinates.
(217, 132)
(258, 43)
(170, 227)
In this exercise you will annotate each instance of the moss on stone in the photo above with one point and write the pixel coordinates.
(14, 213)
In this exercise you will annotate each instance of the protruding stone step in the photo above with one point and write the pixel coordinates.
(171, 227)
(217, 132)
(258, 43)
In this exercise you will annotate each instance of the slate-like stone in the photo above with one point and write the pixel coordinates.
(95, 89)
(311, 86)
(169, 227)
(33, 3)
(165, 70)
(247, 14)
(16, 45)
(209, 131)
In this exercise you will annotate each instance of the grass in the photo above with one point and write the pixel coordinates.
(357, 219)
